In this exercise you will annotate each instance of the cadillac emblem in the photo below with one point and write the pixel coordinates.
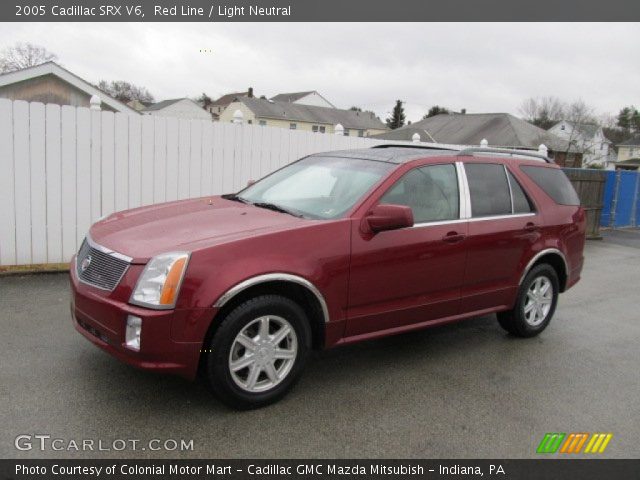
(85, 263)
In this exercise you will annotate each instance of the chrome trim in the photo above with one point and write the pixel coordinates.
(540, 254)
(113, 253)
(271, 277)
(476, 219)
(161, 307)
(106, 251)
(463, 187)
(471, 151)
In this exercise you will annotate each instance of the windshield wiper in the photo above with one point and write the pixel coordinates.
(276, 208)
(234, 197)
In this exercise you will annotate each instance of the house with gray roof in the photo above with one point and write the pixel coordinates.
(179, 108)
(297, 116)
(498, 129)
(304, 98)
(589, 139)
(629, 153)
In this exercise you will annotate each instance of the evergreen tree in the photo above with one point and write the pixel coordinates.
(396, 120)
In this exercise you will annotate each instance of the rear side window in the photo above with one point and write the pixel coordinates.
(521, 203)
(554, 182)
(489, 189)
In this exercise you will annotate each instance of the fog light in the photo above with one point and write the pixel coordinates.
(132, 335)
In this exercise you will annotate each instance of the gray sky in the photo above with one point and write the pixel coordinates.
(478, 66)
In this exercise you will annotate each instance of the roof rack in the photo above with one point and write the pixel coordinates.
(419, 147)
(504, 151)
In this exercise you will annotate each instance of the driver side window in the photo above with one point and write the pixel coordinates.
(431, 192)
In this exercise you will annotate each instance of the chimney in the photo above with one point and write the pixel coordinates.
(463, 111)
(250, 92)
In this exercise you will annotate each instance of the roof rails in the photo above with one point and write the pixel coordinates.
(419, 147)
(505, 151)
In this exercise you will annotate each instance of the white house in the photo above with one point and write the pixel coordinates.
(312, 98)
(588, 139)
(179, 108)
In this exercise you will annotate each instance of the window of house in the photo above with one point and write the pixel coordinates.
(562, 127)
(431, 192)
(361, 133)
(323, 129)
(346, 132)
(262, 123)
(249, 122)
(489, 189)
(293, 126)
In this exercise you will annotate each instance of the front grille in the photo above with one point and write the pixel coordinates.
(100, 269)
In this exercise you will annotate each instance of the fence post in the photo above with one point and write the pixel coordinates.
(238, 117)
(614, 203)
(484, 143)
(634, 205)
(415, 138)
(95, 103)
(339, 129)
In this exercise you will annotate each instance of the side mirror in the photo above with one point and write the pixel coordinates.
(389, 217)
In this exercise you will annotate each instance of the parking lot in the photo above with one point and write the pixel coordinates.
(464, 390)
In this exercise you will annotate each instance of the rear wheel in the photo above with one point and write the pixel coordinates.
(535, 305)
(258, 352)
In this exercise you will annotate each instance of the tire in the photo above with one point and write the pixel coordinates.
(533, 310)
(267, 375)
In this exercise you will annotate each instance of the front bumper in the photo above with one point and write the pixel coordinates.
(102, 320)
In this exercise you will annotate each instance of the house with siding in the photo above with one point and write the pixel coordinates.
(589, 139)
(629, 154)
(179, 108)
(304, 98)
(298, 116)
(51, 83)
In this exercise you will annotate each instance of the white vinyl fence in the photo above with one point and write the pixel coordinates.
(62, 168)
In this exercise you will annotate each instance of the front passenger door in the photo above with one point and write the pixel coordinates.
(410, 275)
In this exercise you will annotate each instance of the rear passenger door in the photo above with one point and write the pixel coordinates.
(502, 229)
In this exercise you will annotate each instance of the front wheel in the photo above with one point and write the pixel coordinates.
(258, 352)
(535, 305)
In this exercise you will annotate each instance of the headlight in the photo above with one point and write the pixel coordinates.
(159, 284)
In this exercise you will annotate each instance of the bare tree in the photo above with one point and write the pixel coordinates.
(543, 112)
(24, 55)
(125, 91)
(580, 116)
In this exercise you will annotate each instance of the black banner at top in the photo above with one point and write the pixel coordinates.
(323, 11)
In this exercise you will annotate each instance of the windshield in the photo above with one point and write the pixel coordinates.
(317, 187)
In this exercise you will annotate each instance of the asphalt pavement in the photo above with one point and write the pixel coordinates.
(467, 390)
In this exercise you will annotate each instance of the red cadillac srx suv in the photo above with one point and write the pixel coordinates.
(332, 249)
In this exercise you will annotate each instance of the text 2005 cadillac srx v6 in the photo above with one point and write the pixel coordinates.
(332, 249)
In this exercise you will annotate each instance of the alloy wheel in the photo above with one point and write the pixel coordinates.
(538, 301)
(263, 353)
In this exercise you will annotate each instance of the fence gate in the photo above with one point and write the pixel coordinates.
(590, 187)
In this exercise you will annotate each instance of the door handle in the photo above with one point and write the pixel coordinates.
(531, 227)
(453, 237)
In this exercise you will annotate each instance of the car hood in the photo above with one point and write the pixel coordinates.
(185, 225)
